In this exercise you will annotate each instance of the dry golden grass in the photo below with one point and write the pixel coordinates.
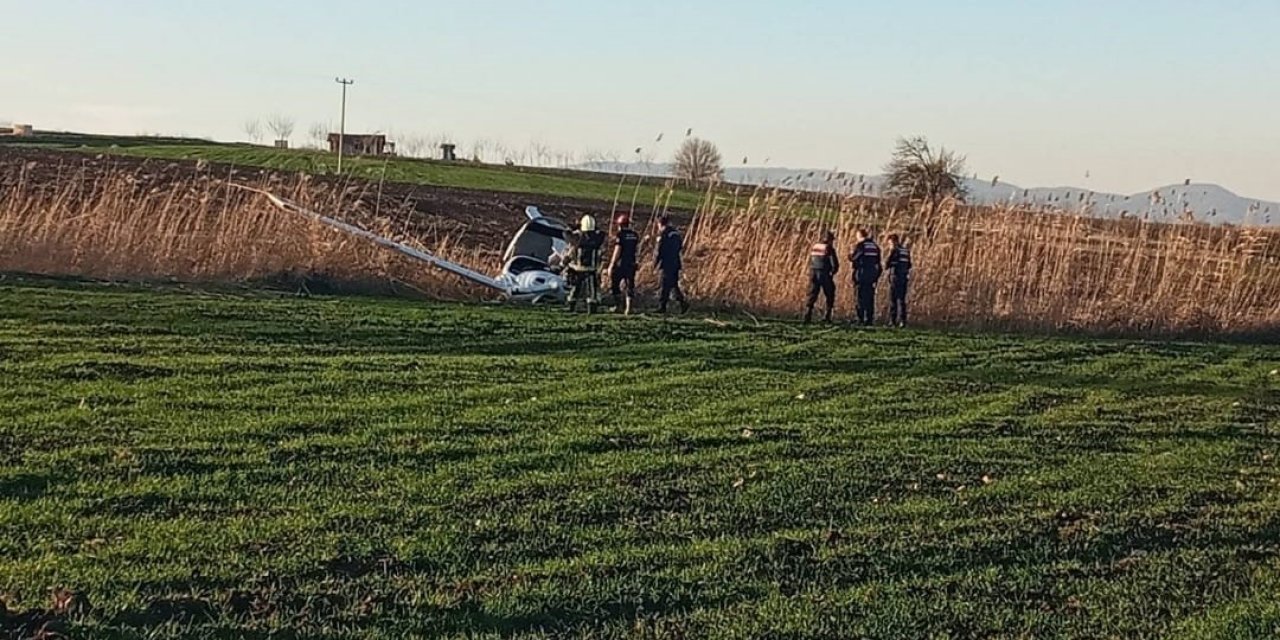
(1009, 268)
(977, 268)
(198, 228)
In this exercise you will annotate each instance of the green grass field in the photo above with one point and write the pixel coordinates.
(547, 182)
(213, 464)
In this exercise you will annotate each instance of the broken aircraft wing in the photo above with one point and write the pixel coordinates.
(417, 254)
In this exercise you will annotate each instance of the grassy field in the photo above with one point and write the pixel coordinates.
(202, 463)
(542, 181)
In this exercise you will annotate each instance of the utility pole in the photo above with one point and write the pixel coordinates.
(342, 125)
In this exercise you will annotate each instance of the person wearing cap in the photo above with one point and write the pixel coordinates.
(668, 260)
(823, 267)
(585, 247)
(622, 266)
(866, 273)
(899, 266)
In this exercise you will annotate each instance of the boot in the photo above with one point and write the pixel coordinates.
(626, 310)
(808, 315)
(827, 317)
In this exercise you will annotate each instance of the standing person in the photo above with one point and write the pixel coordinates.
(622, 266)
(899, 266)
(823, 267)
(585, 246)
(866, 273)
(670, 246)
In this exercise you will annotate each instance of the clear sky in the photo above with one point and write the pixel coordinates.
(1132, 93)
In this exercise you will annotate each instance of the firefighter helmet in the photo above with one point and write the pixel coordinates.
(587, 223)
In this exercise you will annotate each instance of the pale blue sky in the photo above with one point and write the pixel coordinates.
(1135, 93)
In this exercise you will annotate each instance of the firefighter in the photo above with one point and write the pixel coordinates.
(823, 267)
(585, 246)
(899, 267)
(866, 273)
(668, 260)
(622, 266)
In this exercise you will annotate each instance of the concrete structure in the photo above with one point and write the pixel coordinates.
(448, 152)
(357, 144)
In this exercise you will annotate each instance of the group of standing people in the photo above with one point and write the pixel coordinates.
(586, 246)
(868, 268)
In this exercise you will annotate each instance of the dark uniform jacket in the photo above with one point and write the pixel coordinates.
(899, 263)
(585, 251)
(629, 243)
(670, 245)
(822, 259)
(866, 261)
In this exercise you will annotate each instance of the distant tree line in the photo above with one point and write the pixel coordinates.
(917, 171)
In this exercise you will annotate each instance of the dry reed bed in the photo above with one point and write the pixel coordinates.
(1010, 268)
(131, 225)
(975, 267)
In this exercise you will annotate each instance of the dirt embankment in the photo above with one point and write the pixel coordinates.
(475, 217)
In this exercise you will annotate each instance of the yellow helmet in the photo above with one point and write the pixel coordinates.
(587, 223)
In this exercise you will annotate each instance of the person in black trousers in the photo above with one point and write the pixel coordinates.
(622, 267)
(668, 260)
(866, 273)
(823, 267)
(899, 267)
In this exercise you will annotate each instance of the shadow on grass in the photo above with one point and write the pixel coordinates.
(25, 487)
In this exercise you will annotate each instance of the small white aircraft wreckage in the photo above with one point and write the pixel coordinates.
(527, 265)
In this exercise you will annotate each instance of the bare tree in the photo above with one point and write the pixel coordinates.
(919, 173)
(565, 159)
(412, 145)
(698, 161)
(484, 148)
(253, 129)
(540, 154)
(319, 134)
(281, 126)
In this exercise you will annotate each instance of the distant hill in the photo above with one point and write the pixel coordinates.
(1174, 203)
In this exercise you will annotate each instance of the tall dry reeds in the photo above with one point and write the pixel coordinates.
(197, 227)
(976, 267)
(1000, 268)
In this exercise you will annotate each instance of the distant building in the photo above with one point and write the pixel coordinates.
(359, 144)
(17, 130)
(449, 152)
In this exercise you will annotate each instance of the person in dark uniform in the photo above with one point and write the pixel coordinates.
(866, 273)
(622, 267)
(585, 247)
(899, 267)
(823, 267)
(668, 260)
